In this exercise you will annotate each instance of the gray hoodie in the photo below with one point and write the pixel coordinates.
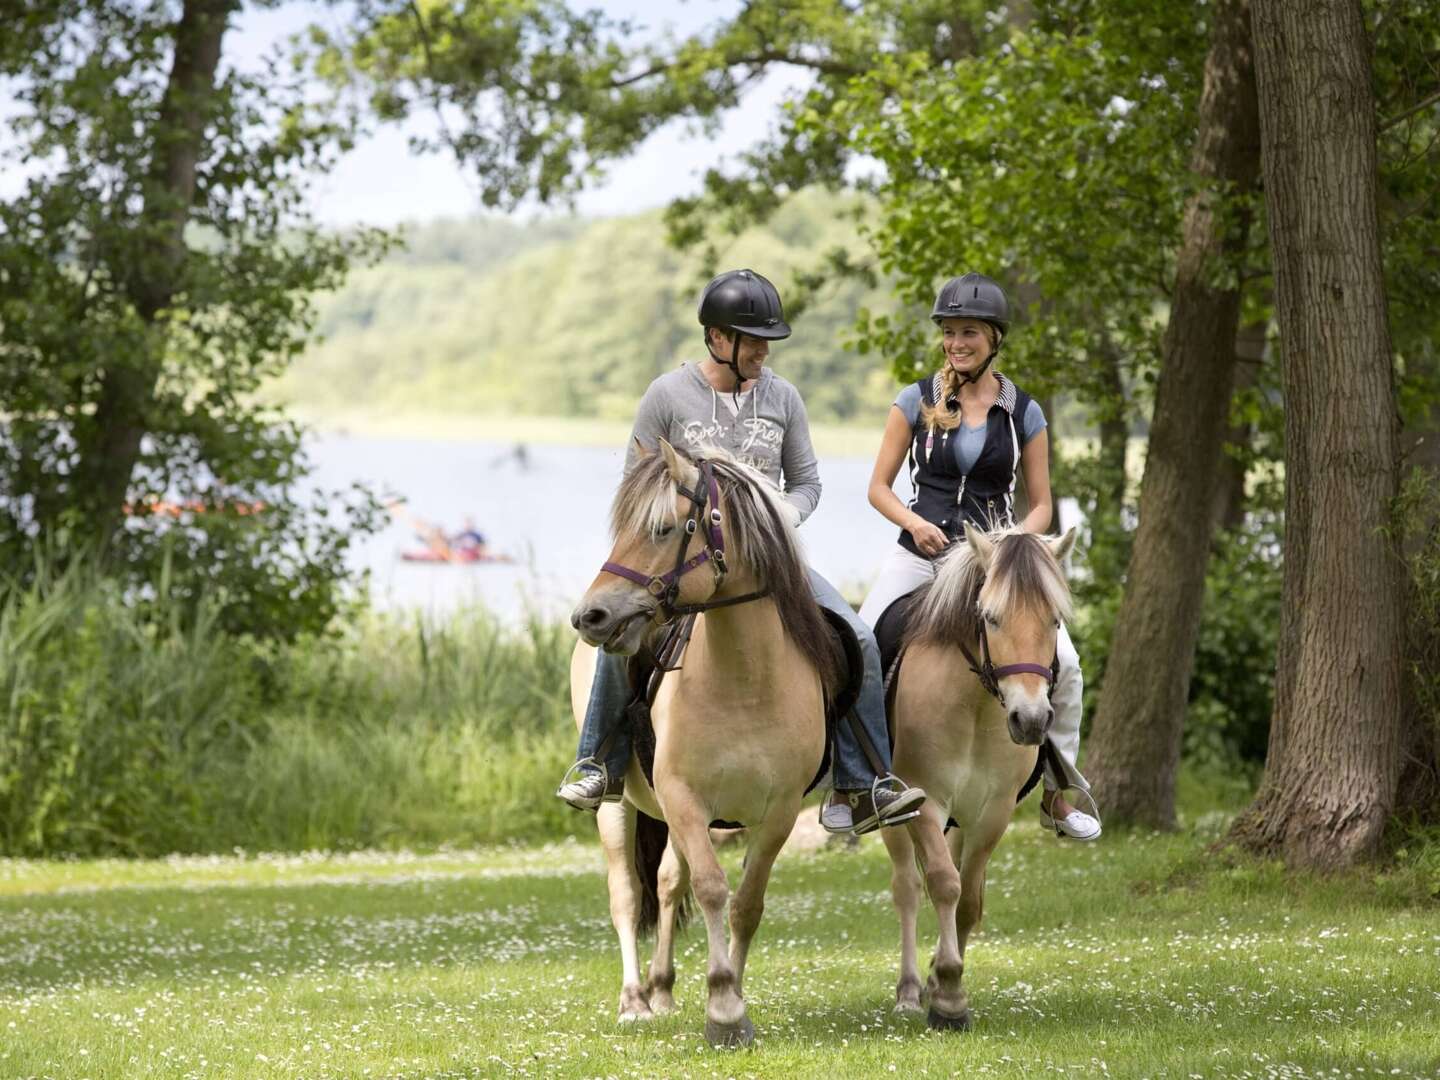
(771, 431)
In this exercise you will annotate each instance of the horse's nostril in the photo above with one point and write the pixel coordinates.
(592, 618)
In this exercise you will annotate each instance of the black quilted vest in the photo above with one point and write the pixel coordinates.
(985, 496)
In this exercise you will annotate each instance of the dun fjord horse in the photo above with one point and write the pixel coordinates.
(739, 727)
(971, 707)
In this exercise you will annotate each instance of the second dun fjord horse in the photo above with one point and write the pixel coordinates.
(739, 726)
(971, 708)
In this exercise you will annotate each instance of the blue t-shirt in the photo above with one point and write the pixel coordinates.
(967, 443)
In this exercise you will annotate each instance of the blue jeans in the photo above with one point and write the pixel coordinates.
(610, 692)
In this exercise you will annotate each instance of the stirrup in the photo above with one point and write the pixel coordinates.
(595, 765)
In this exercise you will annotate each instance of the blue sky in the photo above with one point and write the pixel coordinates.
(382, 182)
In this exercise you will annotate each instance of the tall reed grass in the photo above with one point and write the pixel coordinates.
(143, 731)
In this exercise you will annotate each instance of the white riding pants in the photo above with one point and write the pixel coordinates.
(902, 572)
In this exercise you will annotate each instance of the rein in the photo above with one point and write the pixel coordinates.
(666, 587)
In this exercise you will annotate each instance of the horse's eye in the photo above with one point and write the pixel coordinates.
(993, 621)
(664, 531)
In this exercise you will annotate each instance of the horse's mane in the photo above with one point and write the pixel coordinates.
(1023, 575)
(759, 529)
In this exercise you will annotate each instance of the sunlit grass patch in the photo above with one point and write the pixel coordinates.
(501, 961)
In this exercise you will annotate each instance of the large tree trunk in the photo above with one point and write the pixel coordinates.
(122, 417)
(1135, 746)
(1335, 737)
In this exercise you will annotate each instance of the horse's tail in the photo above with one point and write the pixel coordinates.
(651, 836)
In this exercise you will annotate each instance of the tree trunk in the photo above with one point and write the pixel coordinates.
(1135, 745)
(1335, 736)
(122, 417)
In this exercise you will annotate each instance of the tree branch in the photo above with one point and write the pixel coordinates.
(1420, 106)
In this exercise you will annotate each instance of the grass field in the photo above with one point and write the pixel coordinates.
(1141, 955)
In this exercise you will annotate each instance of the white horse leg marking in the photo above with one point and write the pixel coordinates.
(616, 822)
(905, 888)
(673, 884)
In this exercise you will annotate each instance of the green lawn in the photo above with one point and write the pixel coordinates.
(1137, 956)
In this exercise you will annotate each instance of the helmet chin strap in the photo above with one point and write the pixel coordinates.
(733, 363)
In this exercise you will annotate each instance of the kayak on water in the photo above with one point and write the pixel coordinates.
(460, 556)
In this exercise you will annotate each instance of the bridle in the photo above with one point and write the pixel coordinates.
(990, 675)
(665, 588)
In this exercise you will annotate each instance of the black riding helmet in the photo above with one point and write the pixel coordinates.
(742, 302)
(975, 296)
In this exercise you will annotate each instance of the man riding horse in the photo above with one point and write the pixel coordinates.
(733, 401)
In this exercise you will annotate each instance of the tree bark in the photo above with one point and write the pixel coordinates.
(1134, 749)
(126, 400)
(1335, 735)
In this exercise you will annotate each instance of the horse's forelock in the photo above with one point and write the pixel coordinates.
(1024, 575)
(1021, 572)
(646, 499)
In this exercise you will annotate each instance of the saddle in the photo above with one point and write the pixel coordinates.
(890, 636)
(647, 668)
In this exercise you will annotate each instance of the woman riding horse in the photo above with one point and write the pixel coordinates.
(971, 706)
(967, 429)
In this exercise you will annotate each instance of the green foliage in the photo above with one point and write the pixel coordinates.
(455, 323)
(1232, 682)
(1417, 524)
(145, 297)
(146, 729)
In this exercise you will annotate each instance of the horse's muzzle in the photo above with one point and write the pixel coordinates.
(1030, 724)
(615, 627)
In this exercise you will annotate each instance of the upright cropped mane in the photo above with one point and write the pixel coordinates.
(1023, 576)
(759, 529)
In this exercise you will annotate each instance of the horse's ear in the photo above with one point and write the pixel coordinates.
(1062, 547)
(641, 450)
(672, 460)
(980, 544)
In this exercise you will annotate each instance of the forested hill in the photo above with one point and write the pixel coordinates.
(571, 318)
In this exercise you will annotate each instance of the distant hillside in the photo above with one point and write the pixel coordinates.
(569, 318)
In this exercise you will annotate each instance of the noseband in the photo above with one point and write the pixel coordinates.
(990, 675)
(666, 587)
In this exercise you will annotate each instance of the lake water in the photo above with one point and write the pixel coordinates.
(551, 514)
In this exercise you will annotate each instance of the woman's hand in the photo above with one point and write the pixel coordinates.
(930, 539)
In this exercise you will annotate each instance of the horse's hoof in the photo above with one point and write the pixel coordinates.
(907, 996)
(661, 1004)
(730, 1036)
(948, 1023)
(633, 1005)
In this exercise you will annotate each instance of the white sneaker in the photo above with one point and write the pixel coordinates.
(1076, 825)
(589, 790)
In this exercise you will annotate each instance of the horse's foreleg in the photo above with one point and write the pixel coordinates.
(905, 888)
(766, 840)
(673, 883)
(725, 1021)
(972, 857)
(949, 1007)
(616, 822)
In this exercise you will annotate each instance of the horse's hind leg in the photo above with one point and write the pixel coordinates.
(673, 884)
(725, 1021)
(949, 1005)
(766, 840)
(616, 822)
(905, 888)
